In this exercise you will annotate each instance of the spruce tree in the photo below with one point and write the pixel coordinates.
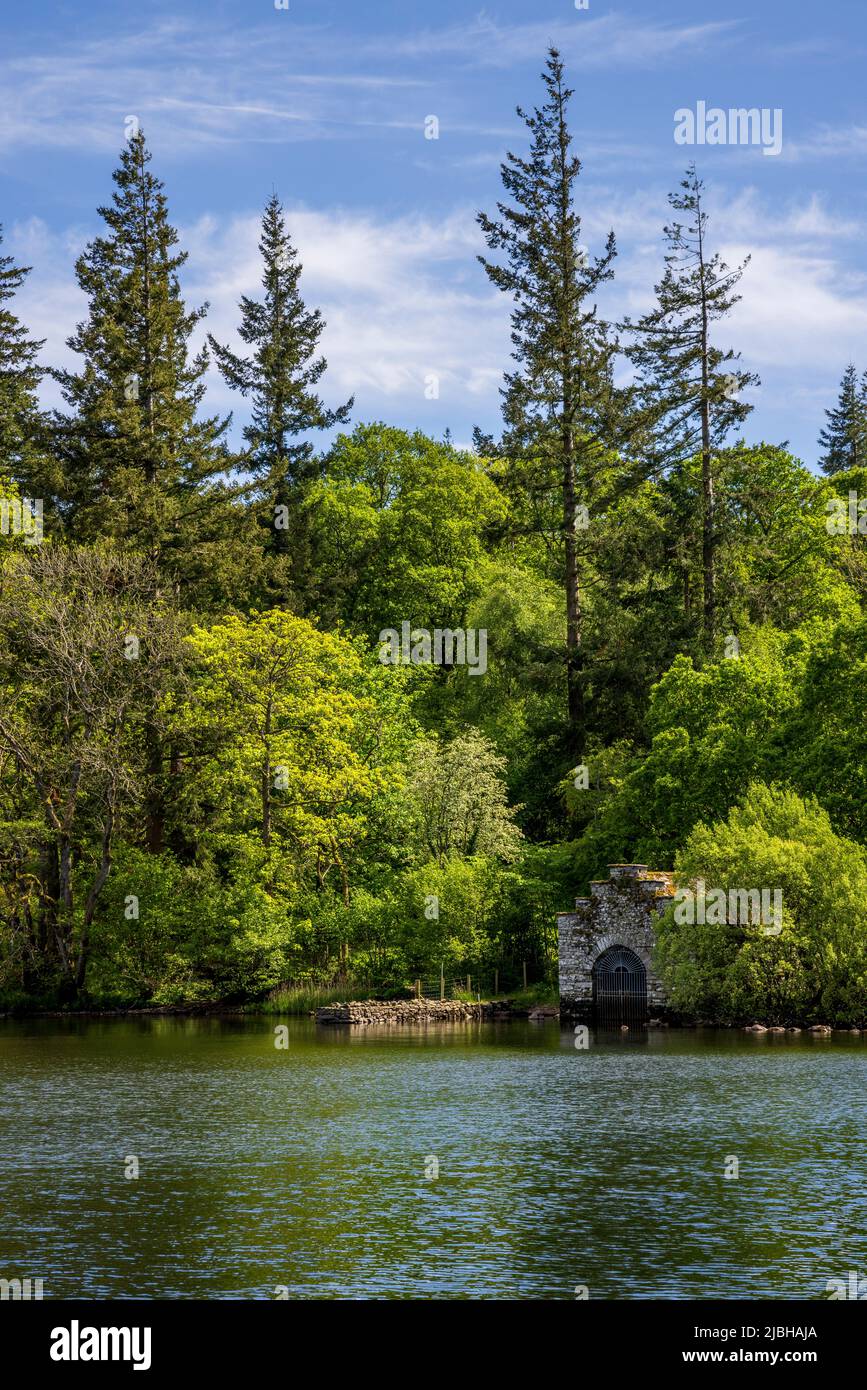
(141, 466)
(280, 377)
(844, 438)
(557, 400)
(20, 376)
(689, 388)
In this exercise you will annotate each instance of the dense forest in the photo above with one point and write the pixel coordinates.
(221, 778)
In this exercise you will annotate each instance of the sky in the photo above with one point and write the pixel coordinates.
(328, 103)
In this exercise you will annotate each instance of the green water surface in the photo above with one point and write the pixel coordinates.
(309, 1168)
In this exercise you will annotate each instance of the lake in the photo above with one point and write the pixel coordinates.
(313, 1169)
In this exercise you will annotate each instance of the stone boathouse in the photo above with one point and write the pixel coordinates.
(605, 945)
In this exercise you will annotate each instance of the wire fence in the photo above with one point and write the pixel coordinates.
(488, 984)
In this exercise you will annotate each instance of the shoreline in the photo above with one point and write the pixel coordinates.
(409, 1012)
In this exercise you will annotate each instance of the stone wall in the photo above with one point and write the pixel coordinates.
(621, 911)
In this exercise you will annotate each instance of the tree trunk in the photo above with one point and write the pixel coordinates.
(708, 535)
(266, 779)
(92, 897)
(155, 823)
(574, 683)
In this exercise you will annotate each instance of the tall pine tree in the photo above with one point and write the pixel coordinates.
(844, 438)
(557, 400)
(689, 388)
(280, 377)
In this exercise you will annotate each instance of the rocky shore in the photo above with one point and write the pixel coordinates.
(367, 1011)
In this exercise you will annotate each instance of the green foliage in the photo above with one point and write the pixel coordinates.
(826, 741)
(687, 383)
(398, 526)
(84, 649)
(780, 565)
(211, 788)
(299, 999)
(711, 731)
(193, 937)
(278, 716)
(458, 799)
(815, 969)
(281, 375)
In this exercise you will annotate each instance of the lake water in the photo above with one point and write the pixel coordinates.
(310, 1168)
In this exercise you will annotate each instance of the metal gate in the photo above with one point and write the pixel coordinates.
(619, 987)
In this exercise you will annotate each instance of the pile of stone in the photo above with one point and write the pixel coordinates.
(399, 1011)
(821, 1029)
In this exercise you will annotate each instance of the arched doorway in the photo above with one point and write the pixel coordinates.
(619, 987)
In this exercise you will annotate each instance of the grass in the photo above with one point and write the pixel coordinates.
(303, 999)
(541, 993)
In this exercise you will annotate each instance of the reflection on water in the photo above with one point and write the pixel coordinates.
(306, 1168)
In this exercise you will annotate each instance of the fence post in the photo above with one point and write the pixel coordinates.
(496, 983)
(469, 979)
(442, 980)
(525, 974)
(418, 989)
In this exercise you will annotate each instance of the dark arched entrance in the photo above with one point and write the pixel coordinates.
(619, 987)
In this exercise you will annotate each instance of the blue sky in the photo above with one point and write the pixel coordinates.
(327, 102)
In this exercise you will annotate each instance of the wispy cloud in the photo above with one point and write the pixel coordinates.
(829, 143)
(612, 40)
(194, 85)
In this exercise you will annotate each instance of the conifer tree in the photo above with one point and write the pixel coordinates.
(140, 463)
(844, 438)
(19, 379)
(689, 388)
(280, 377)
(557, 401)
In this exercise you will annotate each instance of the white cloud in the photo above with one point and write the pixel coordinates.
(401, 299)
(800, 311)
